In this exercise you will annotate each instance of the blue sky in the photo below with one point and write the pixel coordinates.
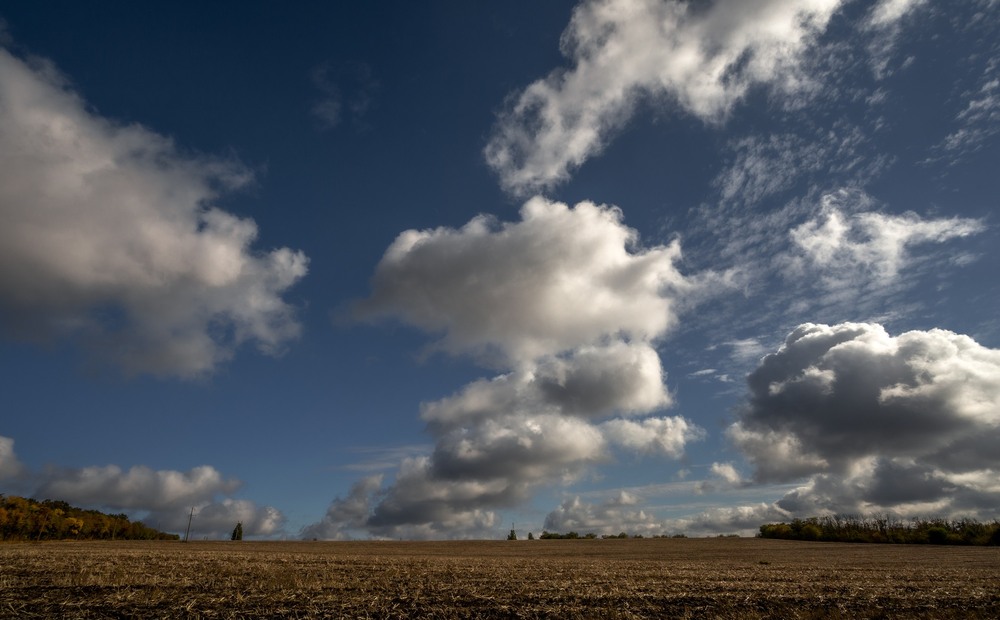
(424, 270)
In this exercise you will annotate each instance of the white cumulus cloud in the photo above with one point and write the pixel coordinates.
(110, 234)
(138, 487)
(874, 421)
(667, 436)
(560, 278)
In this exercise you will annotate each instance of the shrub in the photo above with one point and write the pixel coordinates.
(937, 536)
(995, 536)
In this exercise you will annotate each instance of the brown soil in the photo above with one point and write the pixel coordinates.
(648, 578)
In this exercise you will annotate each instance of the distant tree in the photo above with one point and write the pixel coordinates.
(73, 526)
(512, 535)
(531, 536)
(237, 531)
(937, 536)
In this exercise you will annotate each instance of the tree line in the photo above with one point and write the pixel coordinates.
(28, 519)
(886, 529)
(545, 535)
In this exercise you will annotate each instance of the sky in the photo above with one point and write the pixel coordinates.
(435, 270)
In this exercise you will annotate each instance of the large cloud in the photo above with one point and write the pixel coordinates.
(163, 498)
(559, 278)
(703, 56)
(568, 303)
(109, 233)
(906, 423)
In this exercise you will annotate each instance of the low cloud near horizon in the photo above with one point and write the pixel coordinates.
(162, 499)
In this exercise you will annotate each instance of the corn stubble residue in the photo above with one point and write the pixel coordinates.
(637, 578)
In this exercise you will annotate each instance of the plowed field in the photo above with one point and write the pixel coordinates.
(636, 578)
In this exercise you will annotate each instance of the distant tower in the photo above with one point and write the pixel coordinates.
(187, 532)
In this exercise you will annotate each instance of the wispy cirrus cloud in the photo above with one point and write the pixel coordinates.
(838, 254)
(701, 58)
(974, 105)
(862, 250)
(977, 122)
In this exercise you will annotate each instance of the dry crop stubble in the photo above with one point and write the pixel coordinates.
(647, 578)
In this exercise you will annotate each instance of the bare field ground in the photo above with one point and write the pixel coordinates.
(645, 578)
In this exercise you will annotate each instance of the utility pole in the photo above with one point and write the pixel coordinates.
(188, 532)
